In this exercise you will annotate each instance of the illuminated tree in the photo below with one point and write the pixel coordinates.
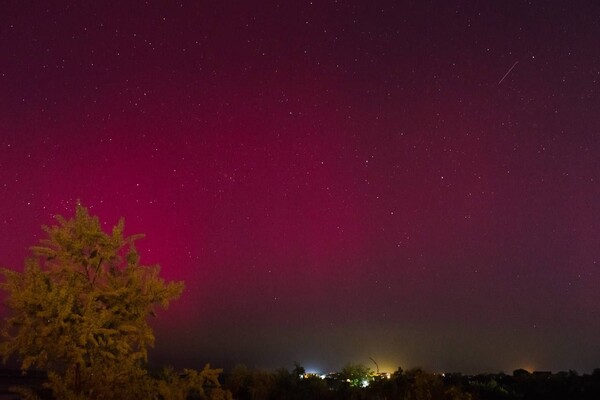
(80, 311)
(298, 371)
(356, 375)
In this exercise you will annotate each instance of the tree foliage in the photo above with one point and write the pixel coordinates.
(80, 310)
(356, 375)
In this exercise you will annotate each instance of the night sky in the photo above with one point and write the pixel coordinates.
(412, 181)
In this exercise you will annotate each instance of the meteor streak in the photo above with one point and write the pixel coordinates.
(508, 72)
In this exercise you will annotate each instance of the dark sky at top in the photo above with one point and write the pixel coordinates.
(333, 180)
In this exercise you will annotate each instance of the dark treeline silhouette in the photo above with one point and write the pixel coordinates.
(349, 384)
(414, 384)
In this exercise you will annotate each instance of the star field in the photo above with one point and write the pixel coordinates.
(416, 182)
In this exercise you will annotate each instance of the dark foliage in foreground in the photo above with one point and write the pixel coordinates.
(414, 384)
